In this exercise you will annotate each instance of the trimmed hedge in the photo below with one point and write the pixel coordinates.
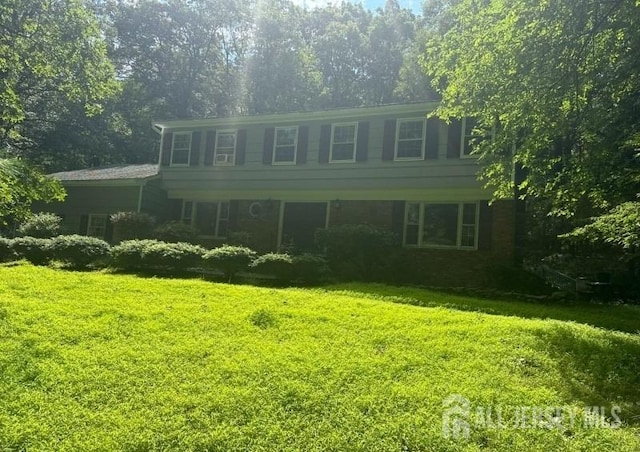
(311, 268)
(132, 225)
(229, 259)
(41, 225)
(78, 251)
(35, 250)
(305, 268)
(175, 231)
(360, 252)
(6, 252)
(277, 265)
(155, 254)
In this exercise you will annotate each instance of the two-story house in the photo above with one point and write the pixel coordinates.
(279, 177)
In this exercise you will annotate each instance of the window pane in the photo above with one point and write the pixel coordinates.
(469, 214)
(440, 224)
(182, 141)
(411, 234)
(344, 134)
(187, 209)
(410, 130)
(180, 157)
(226, 140)
(342, 151)
(409, 149)
(285, 154)
(468, 235)
(286, 137)
(97, 226)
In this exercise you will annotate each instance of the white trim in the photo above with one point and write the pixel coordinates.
(275, 146)
(194, 214)
(140, 198)
(90, 217)
(173, 144)
(216, 160)
(355, 141)
(399, 121)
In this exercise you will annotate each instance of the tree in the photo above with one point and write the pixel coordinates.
(51, 56)
(20, 186)
(558, 81)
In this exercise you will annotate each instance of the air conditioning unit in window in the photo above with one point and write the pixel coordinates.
(224, 158)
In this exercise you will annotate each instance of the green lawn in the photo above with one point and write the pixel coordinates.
(93, 361)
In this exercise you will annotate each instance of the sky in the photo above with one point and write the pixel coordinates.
(414, 5)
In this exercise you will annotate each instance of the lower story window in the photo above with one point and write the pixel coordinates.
(441, 225)
(210, 218)
(97, 225)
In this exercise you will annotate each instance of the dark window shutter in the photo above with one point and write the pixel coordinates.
(485, 225)
(241, 146)
(325, 143)
(397, 219)
(174, 212)
(363, 141)
(389, 140)
(108, 233)
(267, 150)
(303, 145)
(167, 142)
(194, 159)
(433, 138)
(233, 215)
(454, 139)
(84, 224)
(210, 147)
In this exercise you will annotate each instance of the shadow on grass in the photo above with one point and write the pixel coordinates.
(625, 318)
(598, 369)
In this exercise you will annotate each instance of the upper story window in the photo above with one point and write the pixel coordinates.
(225, 150)
(442, 225)
(285, 145)
(343, 142)
(181, 148)
(471, 137)
(410, 138)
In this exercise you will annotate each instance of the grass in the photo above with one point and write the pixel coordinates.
(93, 361)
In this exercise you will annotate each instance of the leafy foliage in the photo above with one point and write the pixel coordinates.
(277, 265)
(129, 254)
(6, 251)
(20, 186)
(41, 225)
(559, 82)
(360, 252)
(78, 251)
(229, 259)
(132, 225)
(155, 254)
(175, 231)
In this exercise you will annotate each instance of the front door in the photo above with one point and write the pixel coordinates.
(299, 224)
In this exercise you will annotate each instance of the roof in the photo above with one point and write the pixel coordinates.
(335, 114)
(112, 172)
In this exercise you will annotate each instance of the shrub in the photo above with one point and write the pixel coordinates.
(310, 268)
(41, 225)
(154, 254)
(229, 259)
(132, 225)
(173, 256)
(278, 265)
(78, 250)
(129, 255)
(35, 250)
(6, 253)
(361, 252)
(175, 231)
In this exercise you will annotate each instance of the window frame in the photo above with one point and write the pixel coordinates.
(233, 132)
(191, 217)
(275, 146)
(459, 225)
(468, 136)
(423, 139)
(188, 150)
(91, 218)
(355, 141)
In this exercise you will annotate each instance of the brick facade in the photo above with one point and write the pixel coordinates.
(376, 213)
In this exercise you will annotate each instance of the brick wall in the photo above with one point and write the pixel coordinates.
(377, 213)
